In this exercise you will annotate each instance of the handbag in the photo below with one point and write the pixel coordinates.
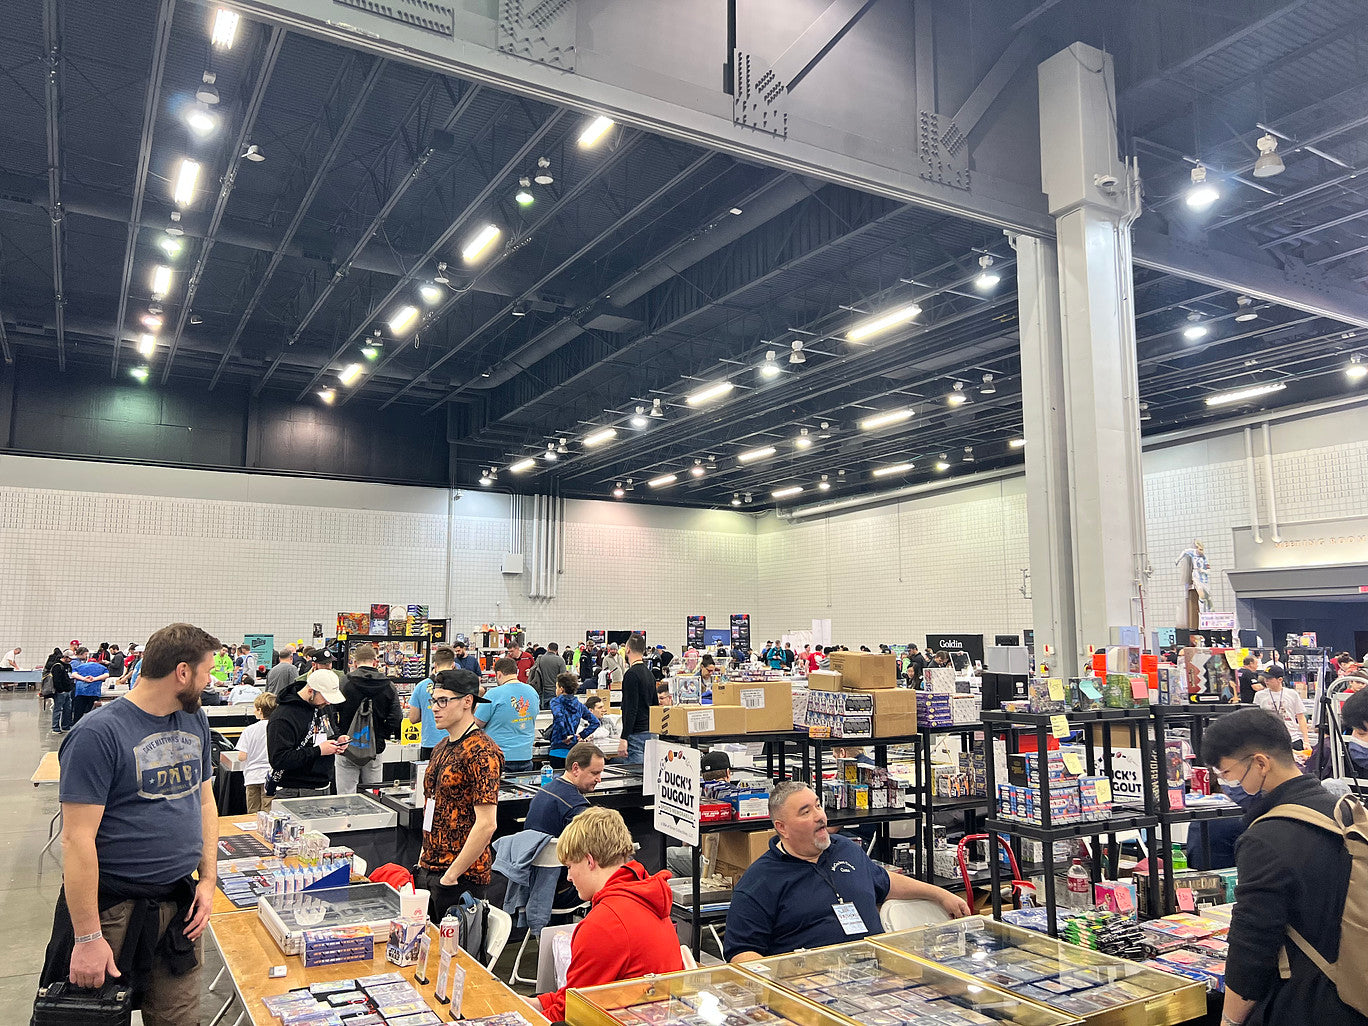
(63, 1004)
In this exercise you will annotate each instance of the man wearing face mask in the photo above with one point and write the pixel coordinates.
(301, 736)
(813, 888)
(1292, 875)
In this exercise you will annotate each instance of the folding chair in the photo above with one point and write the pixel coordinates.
(545, 860)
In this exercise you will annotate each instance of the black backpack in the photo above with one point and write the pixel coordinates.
(361, 749)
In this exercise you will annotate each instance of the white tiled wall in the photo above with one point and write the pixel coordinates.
(110, 552)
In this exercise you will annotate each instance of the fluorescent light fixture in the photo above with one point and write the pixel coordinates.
(715, 391)
(225, 28)
(403, 319)
(327, 395)
(639, 419)
(170, 245)
(751, 455)
(526, 463)
(1017, 443)
(599, 437)
(187, 177)
(896, 468)
(880, 420)
(735, 211)
(200, 120)
(787, 493)
(595, 130)
(1201, 194)
(1357, 369)
(152, 321)
(140, 373)
(662, 481)
(147, 345)
(161, 281)
(350, 373)
(1243, 394)
(483, 239)
(881, 323)
(430, 293)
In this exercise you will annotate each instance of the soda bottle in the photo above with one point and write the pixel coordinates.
(1178, 858)
(1079, 885)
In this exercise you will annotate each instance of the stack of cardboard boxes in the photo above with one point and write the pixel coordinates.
(1073, 799)
(858, 698)
(738, 707)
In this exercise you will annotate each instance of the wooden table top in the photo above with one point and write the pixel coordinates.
(49, 771)
(249, 952)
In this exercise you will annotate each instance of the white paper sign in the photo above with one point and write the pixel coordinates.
(702, 721)
(1216, 621)
(752, 698)
(1127, 780)
(650, 755)
(678, 790)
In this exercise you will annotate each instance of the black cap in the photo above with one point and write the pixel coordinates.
(458, 682)
(714, 761)
(1275, 671)
(324, 655)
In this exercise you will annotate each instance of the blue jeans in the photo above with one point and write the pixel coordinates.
(636, 748)
(61, 711)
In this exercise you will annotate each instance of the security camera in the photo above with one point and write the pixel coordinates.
(1105, 183)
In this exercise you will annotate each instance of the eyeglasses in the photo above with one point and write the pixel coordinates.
(1238, 782)
(441, 703)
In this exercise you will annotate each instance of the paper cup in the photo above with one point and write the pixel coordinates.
(413, 904)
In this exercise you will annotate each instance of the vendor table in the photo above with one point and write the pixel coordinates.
(249, 952)
(49, 771)
(17, 680)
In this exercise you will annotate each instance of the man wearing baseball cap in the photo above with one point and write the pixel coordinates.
(462, 788)
(302, 737)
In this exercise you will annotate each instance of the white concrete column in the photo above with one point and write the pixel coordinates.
(1080, 393)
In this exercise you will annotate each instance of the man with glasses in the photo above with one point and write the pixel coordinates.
(462, 788)
(1292, 876)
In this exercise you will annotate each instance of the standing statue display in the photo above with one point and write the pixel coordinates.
(1194, 577)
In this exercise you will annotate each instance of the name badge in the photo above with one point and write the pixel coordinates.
(849, 918)
(429, 810)
(320, 737)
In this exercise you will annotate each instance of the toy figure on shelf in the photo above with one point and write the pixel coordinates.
(1195, 583)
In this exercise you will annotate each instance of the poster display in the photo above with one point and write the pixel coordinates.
(678, 791)
(740, 631)
(262, 646)
(694, 628)
(596, 637)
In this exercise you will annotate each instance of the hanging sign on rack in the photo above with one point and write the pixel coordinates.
(678, 791)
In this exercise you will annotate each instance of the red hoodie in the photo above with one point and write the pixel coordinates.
(626, 934)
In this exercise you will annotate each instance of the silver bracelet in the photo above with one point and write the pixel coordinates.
(87, 938)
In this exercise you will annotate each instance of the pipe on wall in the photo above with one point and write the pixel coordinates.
(1272, 498)
(1253, 488)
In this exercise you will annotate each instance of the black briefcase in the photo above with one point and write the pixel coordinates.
(62, 1004)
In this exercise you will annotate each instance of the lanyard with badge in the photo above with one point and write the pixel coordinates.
(430, 806)
(847, 913)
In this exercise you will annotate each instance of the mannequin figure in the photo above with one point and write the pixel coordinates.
(1194, 577)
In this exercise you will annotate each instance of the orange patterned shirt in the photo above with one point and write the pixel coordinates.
(460, 775)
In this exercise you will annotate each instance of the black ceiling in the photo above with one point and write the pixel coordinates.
(649, 267)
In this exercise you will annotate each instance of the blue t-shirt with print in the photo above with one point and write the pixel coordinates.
(510, 718)
(146, 772)
(88, 669)
(421, 699)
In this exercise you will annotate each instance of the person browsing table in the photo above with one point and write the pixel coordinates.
(462, 788)
(811, 888)
(139, 819)
(299, 736)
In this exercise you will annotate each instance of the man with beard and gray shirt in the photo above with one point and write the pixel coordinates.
(283, 673)
(545, 672)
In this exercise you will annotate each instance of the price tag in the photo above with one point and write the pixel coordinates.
(1073, 762)
(1122, 897)
(1090, 689)
(1056, 689)
(752, 698)
(1059, 726)
(702, 721)
(1140, 689)
(1185, 900)
(1104, 792)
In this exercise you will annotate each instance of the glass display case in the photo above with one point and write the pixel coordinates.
(337, 813)
(716, 996)
(288, 916)
(1100, 989)
(878, 986)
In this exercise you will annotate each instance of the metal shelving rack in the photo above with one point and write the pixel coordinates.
(856, 817)
(1049, 834)
(928, 805)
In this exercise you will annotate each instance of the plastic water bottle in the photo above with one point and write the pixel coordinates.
(1178, 858)
(1079, 885)
(546, 774)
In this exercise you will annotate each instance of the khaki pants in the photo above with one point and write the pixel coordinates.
(169, 1000)
(257, 798)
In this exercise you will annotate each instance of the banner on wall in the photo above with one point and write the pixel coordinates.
(596, 637)
(262, 646)
(694, 628)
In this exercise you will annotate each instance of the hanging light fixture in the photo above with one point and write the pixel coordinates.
(639, 420)
(207, 92)
(957, 396)
(1201, 194)
(1195, 329)
(1357, 369)
(617, 490)
(1269, 163)
(797, 355)
(253, 153)
(562, 447)
(1245, 310)
(824, 485)
(524, 195)
(656, 410)
(174, 229)
(988, 388)
(543, 175)
(968, 456)
(441, 276)
(770, 368)
(988, 278)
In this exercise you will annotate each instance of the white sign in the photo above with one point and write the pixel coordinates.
(1216, 621)
(678, 790)
(1127, 780)
(752, 698)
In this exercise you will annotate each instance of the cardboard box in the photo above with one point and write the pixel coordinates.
(697, 720)
(895, 712)
(769, 706)
(864, 671)
(736, 850)
(824, 680)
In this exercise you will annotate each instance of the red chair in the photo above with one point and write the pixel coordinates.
(1018, 884)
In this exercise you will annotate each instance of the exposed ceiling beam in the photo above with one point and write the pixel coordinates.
(52, 79)
(151, 105)
(274, 42)
(477, 202)
(5, 350)
(325, 165)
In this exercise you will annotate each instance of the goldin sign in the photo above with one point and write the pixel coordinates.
(970, 644)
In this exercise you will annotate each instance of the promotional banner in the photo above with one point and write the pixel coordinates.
(262, 646)
(970, 644)
(740, 631)
(1216, 621)
(678, 791)
(597, 637)
(694, 628)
